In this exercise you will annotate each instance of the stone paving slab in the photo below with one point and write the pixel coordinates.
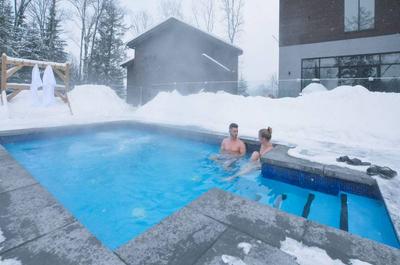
(12, 175)
(259, 221)
(259, 254)
(279, 157)
(179, 240)
(348, 174)
(70, 245)
(28, 213)
(273, 226)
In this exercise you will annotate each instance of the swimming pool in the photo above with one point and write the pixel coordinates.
(118, 182)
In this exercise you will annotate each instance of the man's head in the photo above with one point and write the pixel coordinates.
(233, 130)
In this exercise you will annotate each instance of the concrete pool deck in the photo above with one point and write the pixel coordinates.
(39, 230)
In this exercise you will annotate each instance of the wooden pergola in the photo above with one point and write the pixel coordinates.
(10, 65)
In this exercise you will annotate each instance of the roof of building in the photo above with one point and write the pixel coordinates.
(127, 62)
(173, 21)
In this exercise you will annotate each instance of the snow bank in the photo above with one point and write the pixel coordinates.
(350, 116)
(97, 100)
(322, 126)
(313, 88)
(90, 103)
(312, 255)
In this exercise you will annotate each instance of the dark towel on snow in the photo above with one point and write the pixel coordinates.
(384, 172)
(352, 161)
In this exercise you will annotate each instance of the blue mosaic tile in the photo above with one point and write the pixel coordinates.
(319, 183)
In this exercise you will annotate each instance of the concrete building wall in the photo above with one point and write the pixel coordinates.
(290, 56)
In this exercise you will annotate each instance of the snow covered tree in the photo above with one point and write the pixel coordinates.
(31, 45)
(53, 42)
(109, 49)
(6, 27)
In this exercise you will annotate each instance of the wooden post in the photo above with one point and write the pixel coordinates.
(66, 82)
(3, 75)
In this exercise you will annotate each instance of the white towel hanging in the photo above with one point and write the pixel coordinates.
(35, 84)
(49, 84)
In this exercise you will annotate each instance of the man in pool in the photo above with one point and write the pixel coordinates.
(232, 148)
(233, 145)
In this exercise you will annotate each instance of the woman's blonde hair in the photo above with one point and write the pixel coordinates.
(265, 133)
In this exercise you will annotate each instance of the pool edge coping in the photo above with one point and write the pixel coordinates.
(182, 129)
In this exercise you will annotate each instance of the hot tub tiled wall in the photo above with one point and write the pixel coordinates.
(317, 182)
(277, 164)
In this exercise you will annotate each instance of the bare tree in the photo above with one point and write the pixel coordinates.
(19, 11)
(99, 6)
(170, 8)
(141, 21)
(88, 12)
(38, 11)
(81, 8)
(204, 14)
(233, 16)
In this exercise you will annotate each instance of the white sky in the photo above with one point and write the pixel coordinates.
(260, 49)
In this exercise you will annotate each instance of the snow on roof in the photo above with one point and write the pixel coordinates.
(216, 62)
(127, 61)
(174, 19)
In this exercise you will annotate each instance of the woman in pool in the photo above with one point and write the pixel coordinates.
(264, 136)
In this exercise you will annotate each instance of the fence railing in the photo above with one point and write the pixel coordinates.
(139, 95)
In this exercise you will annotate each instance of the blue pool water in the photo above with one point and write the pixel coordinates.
(120, 182)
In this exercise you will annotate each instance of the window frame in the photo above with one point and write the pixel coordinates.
(378, 64)
(358, 29)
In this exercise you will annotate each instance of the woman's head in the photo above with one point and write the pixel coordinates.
(265, 134)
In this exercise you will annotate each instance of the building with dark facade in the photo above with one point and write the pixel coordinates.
(175, 55)
(339, 42)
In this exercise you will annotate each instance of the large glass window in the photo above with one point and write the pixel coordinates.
(359, 15)
(377, 72)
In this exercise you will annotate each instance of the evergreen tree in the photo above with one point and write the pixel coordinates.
(53, 42)
(109, 49)
(31, 44)
(6, 28)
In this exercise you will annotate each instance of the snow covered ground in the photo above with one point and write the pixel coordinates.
(89, 104)
(320, 125)
(312, 255)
